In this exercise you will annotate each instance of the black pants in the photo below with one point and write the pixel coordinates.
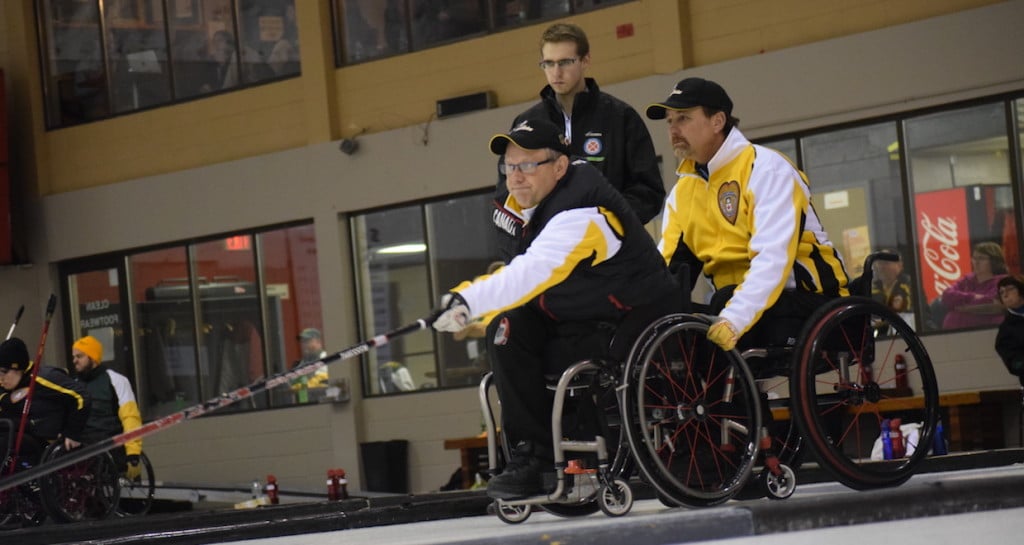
(780, 325)
(524, 346)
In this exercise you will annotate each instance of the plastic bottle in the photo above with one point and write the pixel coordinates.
(342, 484)
(867, 373)
(256, 488)
(332, 485)
(899, 450)
(886, 440)
(901, 373)
(939, 442)
(271, 490)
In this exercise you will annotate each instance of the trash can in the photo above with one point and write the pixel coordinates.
(386, 466)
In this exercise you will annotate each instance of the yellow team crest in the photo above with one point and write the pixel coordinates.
(729, 200)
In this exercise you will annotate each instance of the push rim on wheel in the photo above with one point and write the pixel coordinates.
(80, 491)
(693, 413)
(849, 382)
(136, 497)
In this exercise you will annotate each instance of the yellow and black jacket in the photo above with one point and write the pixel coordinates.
(114, 409)
(60, 406)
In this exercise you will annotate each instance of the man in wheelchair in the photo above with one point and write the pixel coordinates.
(59, 406)
(741, 214)
(114, 410)
(582, 261)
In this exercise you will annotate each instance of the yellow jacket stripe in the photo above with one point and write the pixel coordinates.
(127, 410)
(79, 400)
(569, 238)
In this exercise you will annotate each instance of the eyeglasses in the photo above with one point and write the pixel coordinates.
(561, 63)
(525, 168)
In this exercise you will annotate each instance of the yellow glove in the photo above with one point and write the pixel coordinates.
(724, 334)
(134, 470)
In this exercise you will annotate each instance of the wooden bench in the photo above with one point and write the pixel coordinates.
(973, 420)
(472, 454)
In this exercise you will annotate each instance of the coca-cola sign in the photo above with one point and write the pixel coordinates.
(945, 247)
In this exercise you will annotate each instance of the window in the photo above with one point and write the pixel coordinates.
(143, 53)
(959, 171)
(371, 29)
(406, 258)
(190, 322)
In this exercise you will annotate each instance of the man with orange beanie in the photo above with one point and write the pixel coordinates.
(114, 410)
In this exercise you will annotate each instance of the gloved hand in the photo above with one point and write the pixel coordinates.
(456, 314)
(723, 333)
(134, 469)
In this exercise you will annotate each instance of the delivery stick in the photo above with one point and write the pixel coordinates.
(50, 306)
(17, 317)
(88, 451)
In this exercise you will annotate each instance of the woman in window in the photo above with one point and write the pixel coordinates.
(973, 300)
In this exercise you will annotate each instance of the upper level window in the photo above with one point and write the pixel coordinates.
(372, 29)
(107, 57)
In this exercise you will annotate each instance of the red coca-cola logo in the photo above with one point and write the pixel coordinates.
(939, 249)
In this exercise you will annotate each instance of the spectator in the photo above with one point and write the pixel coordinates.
(1010, 338)
(973, 300)
(890, 286)
(114, 410)
(311, 343)
(59, 407)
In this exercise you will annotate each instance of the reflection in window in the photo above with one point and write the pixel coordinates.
(121, 62)
(391, 252)
(960, 175)
(399, 284)
(96, 310)
(519, 12)
(373, 29)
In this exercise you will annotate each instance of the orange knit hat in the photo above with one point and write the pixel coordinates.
(91, 347)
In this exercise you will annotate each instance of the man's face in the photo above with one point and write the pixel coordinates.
(312, 347)
(1011, 297)
(888, 270)
(694, 135)
(81, 362)
(565, 75)
(529, 189)
(10, 378)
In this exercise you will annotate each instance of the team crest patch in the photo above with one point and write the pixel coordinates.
(592, 146)
(729, 200)
(501, 335)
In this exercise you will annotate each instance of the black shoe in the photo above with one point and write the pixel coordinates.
(523, 475)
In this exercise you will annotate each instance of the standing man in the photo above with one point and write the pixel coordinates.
(598, 127)
(311, 344)
(583, 262)
(114, 409)
(741, 214)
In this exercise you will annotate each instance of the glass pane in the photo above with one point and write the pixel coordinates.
(229, 318)
(856, 182)
(164, 332)
(373, 29)
(292, 301)
(270, 39)
(786, 147)
(391, 262)
(203, 41)
(960, 174)
(76, 75)
(517, 12)
(97, 310)
(137, 54)
(463, 244)
(435, 22)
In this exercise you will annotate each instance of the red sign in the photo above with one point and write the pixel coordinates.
(945, 247)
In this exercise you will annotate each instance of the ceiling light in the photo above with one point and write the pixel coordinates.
(414, 248)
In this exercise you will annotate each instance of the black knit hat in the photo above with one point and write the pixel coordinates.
(14, 355)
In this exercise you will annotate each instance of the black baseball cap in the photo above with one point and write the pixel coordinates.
(531, 134)
(692, 92)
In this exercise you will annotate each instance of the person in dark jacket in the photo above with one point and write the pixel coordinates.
(59, 408)
(582, 261)
(114, 409)
(1010, 338)
(600, 128)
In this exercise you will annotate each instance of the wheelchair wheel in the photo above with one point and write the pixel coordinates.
(692, 413)
(845, 374)
(86, 490)
(136, 496)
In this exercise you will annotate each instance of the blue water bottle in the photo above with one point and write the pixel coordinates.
(939, 442)
(886, 441)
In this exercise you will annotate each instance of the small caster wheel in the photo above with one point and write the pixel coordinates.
(512, 514)
(616, 498)
(781, 486)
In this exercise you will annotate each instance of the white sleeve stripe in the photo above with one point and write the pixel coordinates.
(122, 387)
(569, 238)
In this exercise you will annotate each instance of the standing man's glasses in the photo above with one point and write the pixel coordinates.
(525, 168)
(561, 63)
